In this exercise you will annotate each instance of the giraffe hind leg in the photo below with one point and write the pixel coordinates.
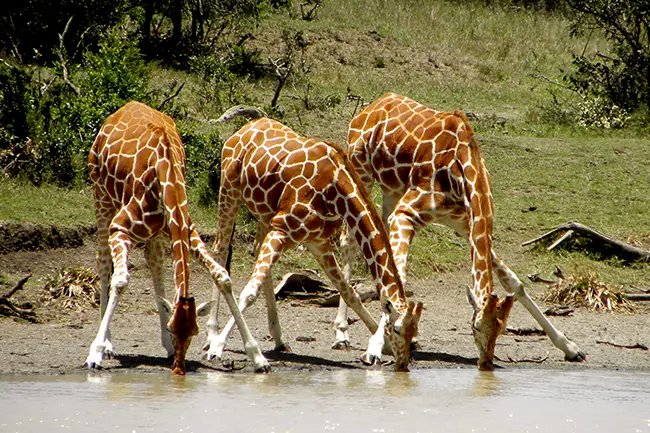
(154, 253)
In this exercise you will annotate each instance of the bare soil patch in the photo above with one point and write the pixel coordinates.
(58, 342)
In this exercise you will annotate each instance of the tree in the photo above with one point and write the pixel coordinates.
(621, 77)
(29, 29)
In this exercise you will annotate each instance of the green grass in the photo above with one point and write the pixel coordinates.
(22, 202)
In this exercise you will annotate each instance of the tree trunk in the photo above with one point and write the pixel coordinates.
(177, 21)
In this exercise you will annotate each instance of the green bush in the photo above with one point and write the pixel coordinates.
(47, 131)
(203, 167)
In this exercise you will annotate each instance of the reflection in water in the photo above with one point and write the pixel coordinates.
(486, 383)
(441, 400)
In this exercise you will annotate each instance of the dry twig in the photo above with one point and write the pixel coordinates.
(64, 67)
(74, 287)
(624, 346)
(585, 290)
(534, 360)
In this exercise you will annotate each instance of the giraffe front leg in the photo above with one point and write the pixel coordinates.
(376, 344)
(102, 345)
(325, 257)
(514, 286)
(216, 341)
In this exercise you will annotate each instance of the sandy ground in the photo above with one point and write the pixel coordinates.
(58, 343)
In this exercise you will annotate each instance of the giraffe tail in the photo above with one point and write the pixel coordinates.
(239, 110)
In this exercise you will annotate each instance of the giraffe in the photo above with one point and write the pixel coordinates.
(429, 167)
(137, 166)
(301, 190)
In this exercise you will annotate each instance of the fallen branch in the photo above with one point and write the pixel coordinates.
(624, 346)
(573, 228)
(536, 278)
(559, 310)
(19, 285)
(170, 97)
(637, 296)
(9, 309)
(305, 290)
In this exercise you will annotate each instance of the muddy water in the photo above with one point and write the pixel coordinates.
(337, 401)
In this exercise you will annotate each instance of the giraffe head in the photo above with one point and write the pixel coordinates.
(183, 326)
(488, 322)
(400, 330)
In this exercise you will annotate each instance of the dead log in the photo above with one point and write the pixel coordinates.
(596, 241)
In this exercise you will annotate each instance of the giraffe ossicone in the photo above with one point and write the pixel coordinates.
(301, 190)
(430, 169)
(137, 166)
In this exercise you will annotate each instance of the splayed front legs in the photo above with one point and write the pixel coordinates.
(513, 285)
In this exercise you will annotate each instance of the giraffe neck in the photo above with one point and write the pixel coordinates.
(366, 226)
(170, 172)
(481, 208)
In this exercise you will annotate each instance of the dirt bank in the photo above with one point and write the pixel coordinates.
(58, 343)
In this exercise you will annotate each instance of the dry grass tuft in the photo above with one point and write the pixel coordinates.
(73, 287)
(586, 291)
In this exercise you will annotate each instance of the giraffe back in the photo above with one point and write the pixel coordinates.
(307, 188)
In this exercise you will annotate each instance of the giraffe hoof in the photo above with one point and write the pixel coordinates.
(578, 357)
(264, 369)
(283, 348)
(369, 359)
(341, 345)
(92, 365)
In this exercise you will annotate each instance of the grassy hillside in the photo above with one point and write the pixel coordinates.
(447, 56)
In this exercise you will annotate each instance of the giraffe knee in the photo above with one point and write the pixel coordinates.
(248, 296)
(119, 283)
(224, 284)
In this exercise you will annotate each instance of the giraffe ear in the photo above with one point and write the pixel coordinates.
(166, 305)
(204, 308)
(473, 301)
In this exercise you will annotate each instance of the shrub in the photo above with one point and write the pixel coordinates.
(203, 167)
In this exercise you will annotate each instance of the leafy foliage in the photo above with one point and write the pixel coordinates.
(203, 166)
(47, 129)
